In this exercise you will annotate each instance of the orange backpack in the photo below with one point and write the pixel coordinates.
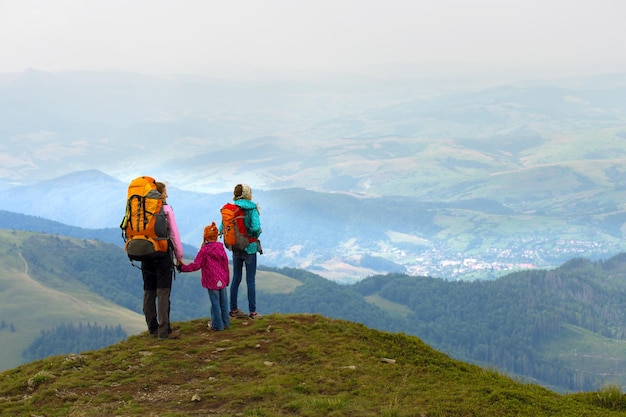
(144, 226)
(234, 230)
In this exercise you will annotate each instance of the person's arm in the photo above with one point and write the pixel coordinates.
(201, 258)
(255, 223)
(174, 234)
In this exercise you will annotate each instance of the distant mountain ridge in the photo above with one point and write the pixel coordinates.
(349, 237)
(16, 221)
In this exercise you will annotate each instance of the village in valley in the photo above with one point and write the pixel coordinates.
(494, 262)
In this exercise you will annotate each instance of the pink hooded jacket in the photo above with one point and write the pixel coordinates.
(213, 261)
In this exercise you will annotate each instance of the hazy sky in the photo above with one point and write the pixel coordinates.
(365, 36)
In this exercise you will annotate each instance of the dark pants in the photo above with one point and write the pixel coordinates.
(239, 259)
(157, 285)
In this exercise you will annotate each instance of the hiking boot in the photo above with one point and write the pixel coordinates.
(174, 334)
(237, 314)
(254, 315)
(153, 331)
(210, 327)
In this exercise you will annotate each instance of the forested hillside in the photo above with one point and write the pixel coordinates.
(47, 282)
(106, 270)
(530, 323)
(73, 339)
(564, 328)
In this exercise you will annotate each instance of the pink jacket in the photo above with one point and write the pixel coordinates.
(174, 234)
(212, 259)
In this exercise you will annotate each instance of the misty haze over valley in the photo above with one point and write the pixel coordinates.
(354, 176)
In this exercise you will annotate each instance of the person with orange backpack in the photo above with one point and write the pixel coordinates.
(151, 236)
(158, 276)
(240, 229)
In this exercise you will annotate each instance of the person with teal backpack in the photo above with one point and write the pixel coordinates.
(245, 212)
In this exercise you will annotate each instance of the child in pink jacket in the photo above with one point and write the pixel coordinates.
(213, 262)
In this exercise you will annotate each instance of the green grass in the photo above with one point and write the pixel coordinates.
(274, 283)
(389, 306)
(280, 365)
(587, 352)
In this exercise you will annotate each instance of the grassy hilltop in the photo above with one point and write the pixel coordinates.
(280, 365)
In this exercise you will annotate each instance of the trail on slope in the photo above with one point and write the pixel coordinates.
(94, 308)
(38, 286)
